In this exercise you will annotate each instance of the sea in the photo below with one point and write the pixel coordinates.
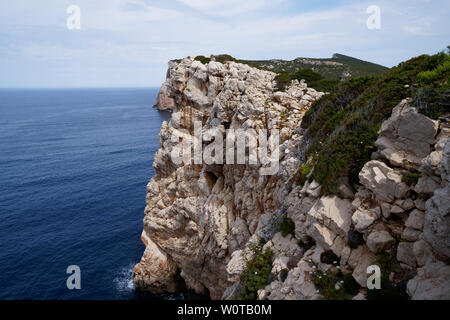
(74, 164)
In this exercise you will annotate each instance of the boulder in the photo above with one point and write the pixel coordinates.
(405, 253)
(432, 282)
(383, 181)
(410, 234)
(437, 218)
(415, 220)
(379, 240)
(423, 253)
(334, 213)
(407, 136)
(359, 260)
(362, 219)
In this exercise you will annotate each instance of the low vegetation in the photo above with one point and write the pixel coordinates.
(287, 226)
(313, 79)
(411, 178)
(344, 124)
(336, 285)
(257, 273)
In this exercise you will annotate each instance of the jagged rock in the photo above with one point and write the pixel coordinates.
(238, 263)
(386, 210)
(345, 189)
(362, 219)
(383, 181)
(423, 253)
(407, 136)
(284, 246)
(359, 260)
(268, 225)
(415, 220)
(334, 213)
(405, 253)
(262, 294)
(313, 189)
(379, 240)
(396, 210)
(410, 234)
(437, 218)
(156, 271)
(202, 219)
(199, 215)
(427, 184)
(408, 204)
(233, 291)
(420, 204)
(431, 283)
(164, 101)
(298, 285)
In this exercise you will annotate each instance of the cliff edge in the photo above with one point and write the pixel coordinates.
(230, 231)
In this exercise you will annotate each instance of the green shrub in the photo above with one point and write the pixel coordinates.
(326, 283)
(302, 174)
(287, 226)
(308, 75)
(202, 59)
(344, 124)
(438, 74)
(387, 261)
(283, 79)
(411, 178)
(257, 273)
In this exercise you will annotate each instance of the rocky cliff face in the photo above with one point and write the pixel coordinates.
(202, 220)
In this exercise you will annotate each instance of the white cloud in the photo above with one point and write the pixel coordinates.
(135, 34)
(413, 29)
(226, 7)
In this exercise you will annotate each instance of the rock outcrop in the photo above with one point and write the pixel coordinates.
(202, 220)
(198, 215)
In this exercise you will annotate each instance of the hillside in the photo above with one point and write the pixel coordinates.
(337, 67)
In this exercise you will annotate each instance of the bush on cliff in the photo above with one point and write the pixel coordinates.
(257, 273)
(344, 124)
(287, 226)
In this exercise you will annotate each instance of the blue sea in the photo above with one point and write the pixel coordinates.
(74, 164)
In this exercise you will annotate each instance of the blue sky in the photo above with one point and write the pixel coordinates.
(126, 43)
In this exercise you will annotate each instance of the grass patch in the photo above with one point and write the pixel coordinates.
(411, 178)
(301, 175)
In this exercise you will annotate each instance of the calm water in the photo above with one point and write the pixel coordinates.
(73, 169)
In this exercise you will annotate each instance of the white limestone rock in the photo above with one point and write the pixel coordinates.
(379, 240)
(431, 283)
(407, 136)
(383, 181)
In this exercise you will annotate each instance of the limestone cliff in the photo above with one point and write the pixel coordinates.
(202, 220)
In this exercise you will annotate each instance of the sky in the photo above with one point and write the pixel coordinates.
(127, 43)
